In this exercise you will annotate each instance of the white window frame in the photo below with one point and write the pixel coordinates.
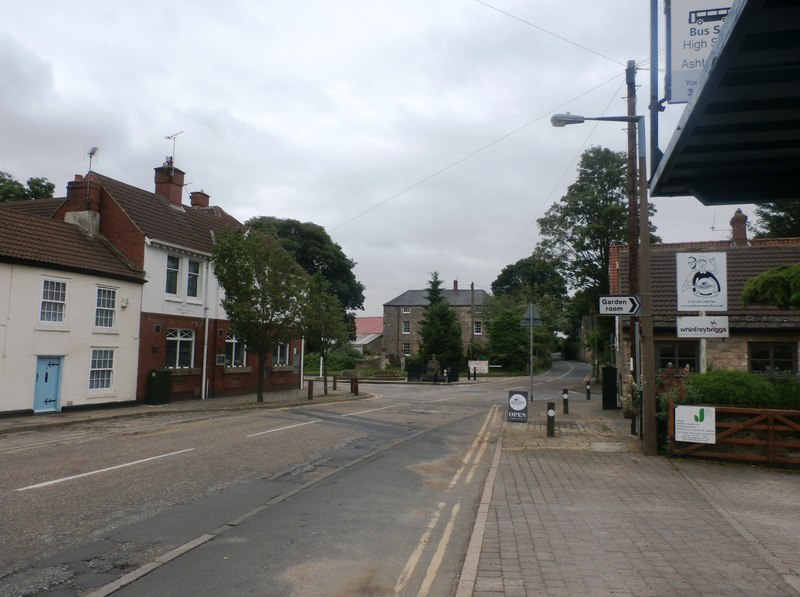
(406, 309)
(407, 349)
(179, 336)
(281, 350)
(101, 370)
(232, 346)
(406, 327)
(54, 301)
(192, 276)
(172, 276)
(477, 328)
(105, 312)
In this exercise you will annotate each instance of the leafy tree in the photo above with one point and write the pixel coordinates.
(779, 287)
(593, 215)
(508, 340)
(265, 292)
(778, 220)
(532, 277)
(316, 252)
(324, 322)
(440, 331)
(12, 190)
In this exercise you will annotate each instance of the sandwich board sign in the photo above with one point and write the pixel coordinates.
(517, 407)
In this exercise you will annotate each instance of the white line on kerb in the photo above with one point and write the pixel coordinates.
(282, 428)
(102, 470)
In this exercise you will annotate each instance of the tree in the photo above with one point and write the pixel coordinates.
(580, 229)
(508, 339)
(324, 322)
(779, 287)
(531, 277)
(316, 253)
(12, 190)
(440, 332)
(778, 220)
(265, 292)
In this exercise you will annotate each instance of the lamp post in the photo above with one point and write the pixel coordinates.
(648, 376)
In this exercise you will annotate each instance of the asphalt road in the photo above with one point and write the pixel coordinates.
(375, 497)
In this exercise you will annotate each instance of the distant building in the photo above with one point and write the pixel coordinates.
(402, 317)
(369, 335)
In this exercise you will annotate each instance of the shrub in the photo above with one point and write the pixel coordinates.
(732, 388)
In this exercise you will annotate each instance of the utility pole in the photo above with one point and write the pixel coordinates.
(633, 212)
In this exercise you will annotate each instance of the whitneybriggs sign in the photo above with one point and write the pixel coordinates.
(703, 327)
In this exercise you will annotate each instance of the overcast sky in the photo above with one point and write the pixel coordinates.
(416, 132)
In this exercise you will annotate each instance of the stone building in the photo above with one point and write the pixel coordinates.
(403, 315)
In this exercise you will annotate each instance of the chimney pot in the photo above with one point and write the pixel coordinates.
(739, 229)
(199, 199)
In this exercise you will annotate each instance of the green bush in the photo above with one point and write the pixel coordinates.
(732, 388)
(788, 391)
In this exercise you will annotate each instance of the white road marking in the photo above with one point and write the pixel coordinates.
(102, 470)
(282, 428)
(371, 410)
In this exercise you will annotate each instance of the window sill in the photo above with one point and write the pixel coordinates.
(183, 372)
(234, 370)
(108, 331)
(283, 368)
(51, 328)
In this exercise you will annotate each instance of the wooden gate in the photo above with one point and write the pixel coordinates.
(747, 435)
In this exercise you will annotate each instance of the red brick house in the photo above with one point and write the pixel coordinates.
(760, 339)
(183, 328)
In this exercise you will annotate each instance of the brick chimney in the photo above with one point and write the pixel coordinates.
(739, 229)
(455, 284)
(82, 206)
(199, 199)
(169, 182)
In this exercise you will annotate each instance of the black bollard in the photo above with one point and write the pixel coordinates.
(475, 373)
(355, 386)
(588, 391)
(565, 400)
(551, 419)
(633, 424)
(310, 390)
(335, 379)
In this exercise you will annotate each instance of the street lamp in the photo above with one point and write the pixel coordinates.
(649, 440)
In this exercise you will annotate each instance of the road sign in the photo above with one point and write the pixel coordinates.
(618, 305)
(531, 318)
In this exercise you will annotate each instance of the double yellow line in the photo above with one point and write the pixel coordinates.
(470, 463)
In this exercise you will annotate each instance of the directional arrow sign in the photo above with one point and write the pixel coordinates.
(618, 305)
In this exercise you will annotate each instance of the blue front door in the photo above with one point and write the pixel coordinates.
(48, 386)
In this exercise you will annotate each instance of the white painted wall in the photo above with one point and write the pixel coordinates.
(157, 300)
(23, 337)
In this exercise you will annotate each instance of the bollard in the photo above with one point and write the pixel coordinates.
(355, 386)
(352, 385)
(475, 373)
(633, 424)
(588, 391)
(310, 390)
(335, 379)
(551, 419)
(565, 396)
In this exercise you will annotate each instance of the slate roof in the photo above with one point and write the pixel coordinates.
(456, 298)
(189, 227)
(744, 262)
(44, 208)
(37, 241)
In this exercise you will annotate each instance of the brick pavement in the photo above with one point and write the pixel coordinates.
(584, 513)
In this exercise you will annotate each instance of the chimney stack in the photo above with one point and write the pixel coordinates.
(169, 182)
(455, 284)
(199, 198)
(739, 229)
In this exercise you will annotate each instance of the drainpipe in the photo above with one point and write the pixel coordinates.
(302, 360)
(204, 383)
